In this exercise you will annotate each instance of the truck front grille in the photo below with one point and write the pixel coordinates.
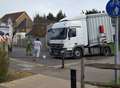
(56, 46)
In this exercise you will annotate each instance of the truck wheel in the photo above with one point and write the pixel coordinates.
(106, 51)
(78, 53)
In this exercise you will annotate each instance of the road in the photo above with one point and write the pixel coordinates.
(19, 53)
(51, 66)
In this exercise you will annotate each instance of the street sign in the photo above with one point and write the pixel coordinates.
(113, 8)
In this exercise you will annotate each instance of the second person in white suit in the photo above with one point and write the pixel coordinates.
(37, 47)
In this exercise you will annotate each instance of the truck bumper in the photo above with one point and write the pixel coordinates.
(58, 53)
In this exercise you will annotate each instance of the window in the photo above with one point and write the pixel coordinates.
(72, 32)
(58, 33)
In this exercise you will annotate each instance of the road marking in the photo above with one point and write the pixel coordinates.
(66, 65)
(27, 64)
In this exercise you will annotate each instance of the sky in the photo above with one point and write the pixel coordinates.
(70, 7)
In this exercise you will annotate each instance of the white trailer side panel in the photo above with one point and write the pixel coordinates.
(93, 23)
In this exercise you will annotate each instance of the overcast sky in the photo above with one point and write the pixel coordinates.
(32, 7)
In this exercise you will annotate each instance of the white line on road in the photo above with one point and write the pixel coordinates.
(66, 65)
(25, 62)
(21, 62)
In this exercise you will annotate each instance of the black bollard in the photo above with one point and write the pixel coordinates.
(63, 59)
(73, 78)
(63, 62)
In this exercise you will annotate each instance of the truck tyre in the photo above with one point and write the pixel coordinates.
(106, 51)
(78, 53)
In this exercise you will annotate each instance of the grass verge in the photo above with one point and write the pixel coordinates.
(14, 75)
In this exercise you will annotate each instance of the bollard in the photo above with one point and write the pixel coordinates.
(63, 62)
(63, 59)
(82, 73)
(73, 78)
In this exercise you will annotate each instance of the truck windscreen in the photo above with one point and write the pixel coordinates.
(58, 33)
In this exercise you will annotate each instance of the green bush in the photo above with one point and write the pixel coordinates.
(112, 46)
(4, 64)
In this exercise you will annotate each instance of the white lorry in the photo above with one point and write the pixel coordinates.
(76, 37)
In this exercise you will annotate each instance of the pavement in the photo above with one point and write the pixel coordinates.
(40, 81)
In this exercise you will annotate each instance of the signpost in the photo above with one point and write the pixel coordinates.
(113, 10)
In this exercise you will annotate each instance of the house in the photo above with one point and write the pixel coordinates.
(21, 21)
(22, 24)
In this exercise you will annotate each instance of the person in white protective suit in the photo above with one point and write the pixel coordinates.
(37, 47)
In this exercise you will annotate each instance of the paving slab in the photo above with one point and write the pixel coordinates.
(40, 81)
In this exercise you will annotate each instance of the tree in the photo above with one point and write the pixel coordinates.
(93, 11)
(60, 15)
(4, 63)
(40, 23)
(39, 26)
(39, 30)
(36, 19)
(50, 17)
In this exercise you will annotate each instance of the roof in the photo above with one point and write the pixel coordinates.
(12, 16)
(81, 16)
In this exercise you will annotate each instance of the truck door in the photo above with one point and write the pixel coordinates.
(77, 36)
(71, 38)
